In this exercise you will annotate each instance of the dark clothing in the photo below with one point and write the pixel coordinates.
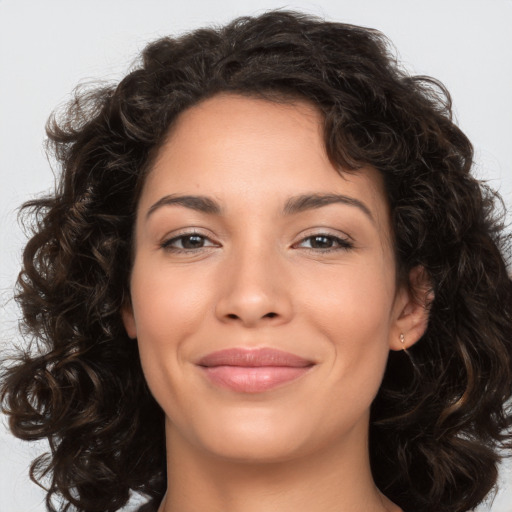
(151, 506)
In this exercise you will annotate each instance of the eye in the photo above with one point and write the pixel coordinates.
(323, 242)
(187, 242)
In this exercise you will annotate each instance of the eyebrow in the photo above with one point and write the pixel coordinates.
(293, 206)
(298, 204)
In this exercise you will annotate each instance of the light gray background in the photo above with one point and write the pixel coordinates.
(48, 46)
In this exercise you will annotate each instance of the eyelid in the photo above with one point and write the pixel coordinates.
(325, 231)
(166, 242)
(345, 242)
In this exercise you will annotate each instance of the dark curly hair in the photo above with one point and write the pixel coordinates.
(440, 418)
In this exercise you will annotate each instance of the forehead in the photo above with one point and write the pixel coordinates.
(259, 150)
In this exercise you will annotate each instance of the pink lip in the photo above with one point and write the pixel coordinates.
(253, 370)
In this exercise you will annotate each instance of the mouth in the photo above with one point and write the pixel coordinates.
(253, 370)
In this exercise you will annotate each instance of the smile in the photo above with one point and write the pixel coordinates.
(253, 370)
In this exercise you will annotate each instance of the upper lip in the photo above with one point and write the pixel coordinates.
(251, 357)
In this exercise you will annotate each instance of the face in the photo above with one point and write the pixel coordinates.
(248, 238)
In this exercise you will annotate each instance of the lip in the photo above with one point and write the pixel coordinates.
(253, 370)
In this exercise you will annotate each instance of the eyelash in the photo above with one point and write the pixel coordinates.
(343, 244)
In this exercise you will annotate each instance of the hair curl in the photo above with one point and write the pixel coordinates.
(436, 425)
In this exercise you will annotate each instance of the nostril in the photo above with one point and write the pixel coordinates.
(234, 316)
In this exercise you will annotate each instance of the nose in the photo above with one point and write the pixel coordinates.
(254, 289)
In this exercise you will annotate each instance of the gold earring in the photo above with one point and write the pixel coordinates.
(402, 340)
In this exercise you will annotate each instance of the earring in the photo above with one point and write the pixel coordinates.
(402, 340)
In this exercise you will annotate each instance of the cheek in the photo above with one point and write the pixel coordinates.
(354, 301)
(169, 309)
(354, 316)
(166, 303)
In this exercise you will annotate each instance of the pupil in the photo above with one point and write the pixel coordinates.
(322, 241)
(192, 242)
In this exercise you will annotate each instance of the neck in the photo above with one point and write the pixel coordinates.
(337, 479)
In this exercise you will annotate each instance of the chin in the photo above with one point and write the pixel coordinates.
(254, 449)
(263, 435)
(248, 436)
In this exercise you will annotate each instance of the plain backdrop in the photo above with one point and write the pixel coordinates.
(47, 47)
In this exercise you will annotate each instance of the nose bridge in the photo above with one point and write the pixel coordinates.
(252, 288)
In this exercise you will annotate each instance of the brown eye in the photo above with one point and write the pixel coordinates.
(192, 241)
(187, 242)
(321, 242)
(325, 243)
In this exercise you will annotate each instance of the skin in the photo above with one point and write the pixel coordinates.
(258, 278)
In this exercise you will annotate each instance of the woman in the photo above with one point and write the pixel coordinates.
(267, 281)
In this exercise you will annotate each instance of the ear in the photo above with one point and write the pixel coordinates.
(128, 318)
(412, 306)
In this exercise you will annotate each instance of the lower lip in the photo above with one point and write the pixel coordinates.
(246, 379)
